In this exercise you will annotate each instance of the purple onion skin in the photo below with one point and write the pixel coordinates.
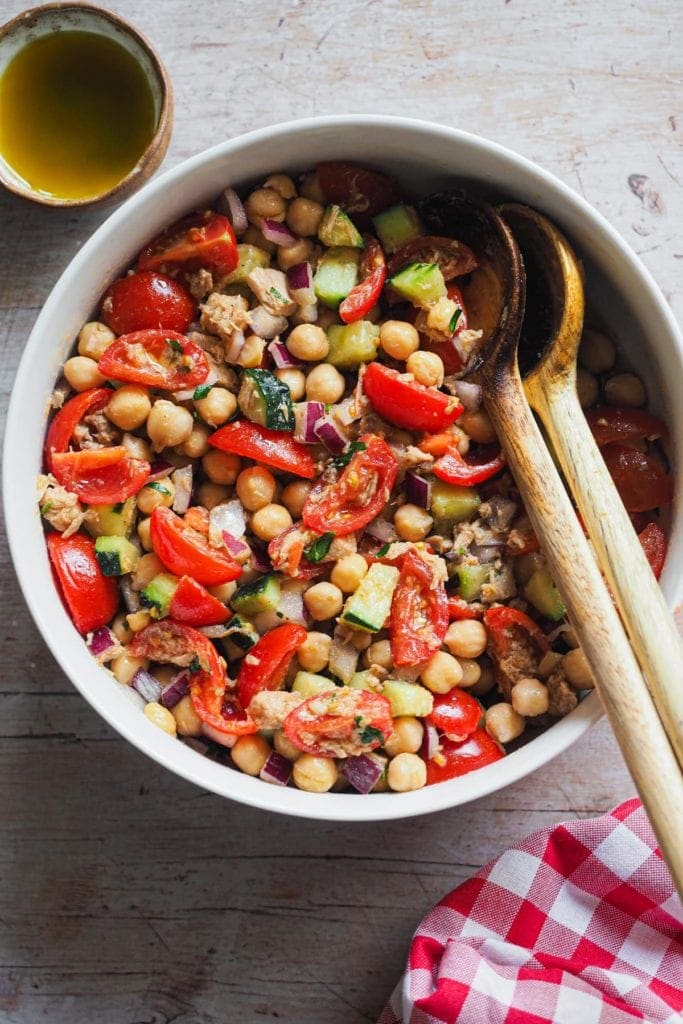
(277, 769)
(300, 277)
(330, 436)
(430, 742)
(418, 490)
(362, 772)
(176, 690)
(102, 640)
(278, 233)
(146, 685)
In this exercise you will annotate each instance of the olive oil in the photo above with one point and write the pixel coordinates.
(76, 114)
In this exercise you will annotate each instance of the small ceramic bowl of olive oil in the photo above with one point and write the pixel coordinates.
(86, 106)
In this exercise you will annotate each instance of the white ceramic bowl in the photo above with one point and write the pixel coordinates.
(425, 157)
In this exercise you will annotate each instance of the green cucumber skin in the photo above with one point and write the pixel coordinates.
(241, 633)
(337, 229)
(260, 595)
(352, 344)
(336, 275)
(420, 283)
(249, 257)
(159, 593)
(397, 226)
(115, 555)
(471, 578)
(452, 503)
(369, 607)
(274, 398)
(105, 521)
(541, 592)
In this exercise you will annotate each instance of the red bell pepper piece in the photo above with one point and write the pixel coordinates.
(61, 429)
(271, 447)
(406, 403)
(268, 661)
(363, 297)
(91, 597)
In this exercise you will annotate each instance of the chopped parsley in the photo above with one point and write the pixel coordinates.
(195, 665)
(201, 391)
(367, 733)
(316, 551)
(45, 507)
(454, 320)
(343, 460)
(156, 486)
(118, 508)
(276, 294)
(382, 551)
(175, 345)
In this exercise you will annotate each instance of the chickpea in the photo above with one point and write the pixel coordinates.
(310, 188)
(548, 663)
(221, 467)
(621, 389)
(217, 407)
(270, 520)
(147, 568)
(168, 425)
(398, 339)
(530, 697)
(360, 639)
(308, 342)
(348, 572)
(288, 256)
(597, 353)
(125, 666)
(137, 447)
(265, 203)
(252, 352)
(255, 488)
(466, 639)
(441, 673)
(406, 737)
(82, 373)
(314, 774)
(282, 184)
(209, 495)
(94, 340)
(128, 408)
(471, 672)
(325, 384)
(304, 216)
(151, 496)
(314, 653)
(250, 753)
(187, 721)
(138, 620)
(577, 670)
(295, 381)
(285, 747)
(161, 717)
(379, 653)
(486, 681)
(121, 629)
(294, 496)
(323, 601)
(223, 591)
(412, 522)
(406, 772)
(197, 443)
(503, 723)
(478, 426)
(586, 388)
(252, 236)
(426, 368)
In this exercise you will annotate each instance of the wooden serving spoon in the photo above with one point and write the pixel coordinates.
(637, 727)
(551, 334)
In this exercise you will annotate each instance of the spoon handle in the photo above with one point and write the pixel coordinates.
(649, 623)
(624, 695)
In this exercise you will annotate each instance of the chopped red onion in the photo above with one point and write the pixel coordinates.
(175, 690)
(159, 469)
(468, 393)
(291, 606)
(214, 632)
(418, 490)
(103, 645)
(226, 518)
(327, 431)
(346, 412)
(266, 324)
(277, 769)
(430, 742)
(146, 685)
(188, 393)
(279, 234)
(363, 772)
(131, 598)
(382, 530)
(233, 349)
(182, 481)
(231, 205)
(486, 552)
(281, 355)
(235, 546)
(263, 622)
(306, 416)
(300, 284)
(343, 659)
(307, 314)
(260, 560)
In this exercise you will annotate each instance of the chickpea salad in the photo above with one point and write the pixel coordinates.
(276, 508)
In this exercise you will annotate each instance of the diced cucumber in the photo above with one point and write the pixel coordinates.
(352, 344)
(336, 275)
(364, 680)
(397, 226)
(308, 684)
(111, 520)
(249, 257)
(159, 593)
(407, 698)
(261, 595)
(420, 283)
(471, 578)
(451, 504)
(542, 593)
(337, 228)
(369, 606)
(241, 633)
(116, 556)
(266, 400)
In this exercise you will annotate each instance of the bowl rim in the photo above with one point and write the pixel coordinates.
(189, 764)
(157, 146)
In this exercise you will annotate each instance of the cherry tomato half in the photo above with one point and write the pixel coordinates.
(193, 605)
(363, 297)
(271, 447)
(358, 495)
(156, 359)
(187, 553)
(90, 597)
(615, 424)
(457, 714)
(268, 661)
(406, 403)
(62, 426)
(653, 540)
(641, 481)
(479, 465)
(419, 612)
(147, 300)
(100, 476)
(476, 751)
(331, 724)
(459, 609)
(361, 192)
(286, 552)
(198, 241)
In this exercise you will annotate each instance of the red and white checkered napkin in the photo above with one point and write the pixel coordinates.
(578, 924)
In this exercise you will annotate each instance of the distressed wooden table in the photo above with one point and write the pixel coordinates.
(127, 895)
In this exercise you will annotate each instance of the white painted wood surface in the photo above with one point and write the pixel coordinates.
(126, 895)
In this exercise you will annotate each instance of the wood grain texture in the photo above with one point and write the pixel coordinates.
(127, 895)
